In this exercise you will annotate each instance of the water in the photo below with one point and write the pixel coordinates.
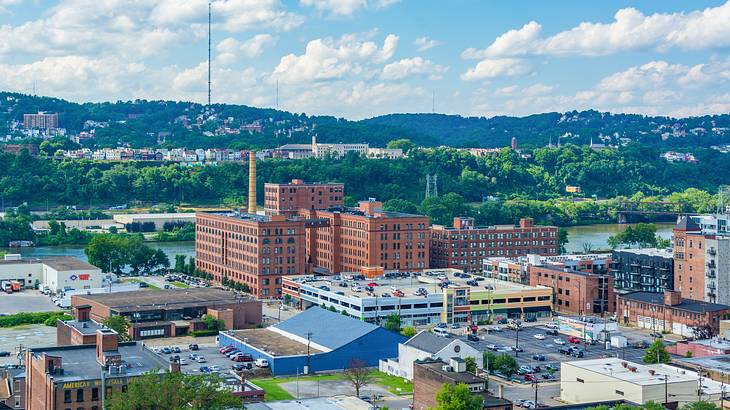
(597, 235)
(77, 251)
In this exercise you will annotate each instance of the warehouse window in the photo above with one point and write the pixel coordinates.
(579, 380)
(619, 392)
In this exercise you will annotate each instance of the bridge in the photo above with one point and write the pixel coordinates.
(626, 209)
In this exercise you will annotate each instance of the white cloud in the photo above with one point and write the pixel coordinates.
(5, 5)
(327, 59)
(345, 7)
(499, 67)
(229, 49)
(412, 67)
(425, 43)
(630, 30)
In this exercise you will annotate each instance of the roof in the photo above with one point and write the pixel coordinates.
(662, 253)
(139, 300)
(79, 361)
(59, 263)
(719, 363)
(325, 328)
(428, 342)
(307, 147)
(88, 327)
(695, 306)
(612, 367)
(321, 403)
(436, 366)
(273, 343)
(686, 223)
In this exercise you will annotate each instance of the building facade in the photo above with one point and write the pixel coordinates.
(643, 270)
(669, 312)
(251, 249)
(689, 259)
(41, 120)
(464, 246)
(58, 273)
(288, 198)
(575, 292)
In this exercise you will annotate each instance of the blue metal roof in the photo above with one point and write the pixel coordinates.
(329, 329)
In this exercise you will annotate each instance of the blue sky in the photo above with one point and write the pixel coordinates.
(361, 58)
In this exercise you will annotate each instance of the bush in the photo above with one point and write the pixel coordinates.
(203, 333)
(29, 318)
(53, 320)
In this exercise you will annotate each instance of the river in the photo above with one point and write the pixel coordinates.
(597, 235)
(170, 248)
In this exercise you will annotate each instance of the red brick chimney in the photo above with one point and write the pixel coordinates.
(107, 345)
(461, 222)
(82, 313)
(527, 223)
(371, 207)
(672, 297)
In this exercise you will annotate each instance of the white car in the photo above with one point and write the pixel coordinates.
(215, 368)
(357, 288)
(559, 341)
(261, 363)
(200, 359)
(183, 362)
(539, 336)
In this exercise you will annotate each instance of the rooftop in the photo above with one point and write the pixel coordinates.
(695, 306)
(158, 216)
(685, 223)
(272, 342)
(88, 327)
(79, 361)
(139, 300)
(59, 263)
(459, 377)
(322, 403)
(379, 214)
(613, 367)
(720, 363)
(664, 253)
(428, 342)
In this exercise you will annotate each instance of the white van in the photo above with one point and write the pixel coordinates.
(261, 363)
(441, 332)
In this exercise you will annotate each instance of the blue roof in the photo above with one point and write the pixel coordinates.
(329, 329)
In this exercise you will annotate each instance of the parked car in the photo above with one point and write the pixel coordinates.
(166, 350)
(200, 359)
(576, 353)
(496, 329)
(564, 350)
(538, 357)
(215, 368)
(242, 366)
(525, 369)
(546, 376)
(143, 285)
(530, 377)
(552, 332)
(175, 349)
(554, 367)
(502, 321)
(656, 335)
(531, 319)
(574, 340)
(529, 404)
(204, 369)
(193, 346)
(551, 325)
(4, 354)
(441, 326)
(263, 363)
(193, 356)
(242, 357)
(536, 369)
(472, 337)
(183, 362)
(559, 342)
(492, 346)
(539, 336)
(226, 349)
(455, 326)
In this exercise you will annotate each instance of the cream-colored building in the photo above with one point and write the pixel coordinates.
(158, 219)
(596, 380)
(57, 273)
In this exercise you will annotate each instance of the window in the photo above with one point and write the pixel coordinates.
(457, 348)
(79, 395)
(67, 396)
(94, 394)
(619, 392)
(579, 380)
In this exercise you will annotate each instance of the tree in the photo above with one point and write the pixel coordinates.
(180, 263)
(405, 144)
(471, 364)
(457, 397)
(119, 324)
(700, 405)
(358, 373)
(393, 322)
(562, 240)
(490, 360)
(506, 364)
(212, 323)
(656, 353)
(174, 391)
(409, 331)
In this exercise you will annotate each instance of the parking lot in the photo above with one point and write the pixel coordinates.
(212, 357)
(547, 347)
(28, 300)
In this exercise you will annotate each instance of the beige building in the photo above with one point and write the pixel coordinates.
(57, 273)
(158, 219)
(597, 380)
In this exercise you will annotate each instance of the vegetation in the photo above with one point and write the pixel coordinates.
(642, 234)
(394, 384)
(31, 318)
(409, 331)
(471, 364)
(212, 323)
(177, 232)
(490, 360)
(457, 397)
(506, 364)
(656, 353)
(204, 333)
(174, 391)
(120, 252)
(650, 405)
(700, 405)
(358, 374)
(53, 320)
(393, 322)
(118, 324)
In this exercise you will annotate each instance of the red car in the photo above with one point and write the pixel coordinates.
(530, 377)
(226, 349)
(242, 357)
(573, 339)
(372, 284)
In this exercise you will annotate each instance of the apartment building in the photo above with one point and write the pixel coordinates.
(689, 259)
(41, 120)
(575, 292)
(255, 250)
(646, 270)
(348, 239)
(288, 198)
(465, 246)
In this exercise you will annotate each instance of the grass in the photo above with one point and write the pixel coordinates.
(180, 285)
(273, 390)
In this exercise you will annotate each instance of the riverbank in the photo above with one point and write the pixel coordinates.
(594, 237)
(171, 249)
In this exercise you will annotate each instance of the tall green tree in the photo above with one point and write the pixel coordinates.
(393, 322)
(119, 324)
(174, 391)
(506, 364)
(656, 353)
(457, 397)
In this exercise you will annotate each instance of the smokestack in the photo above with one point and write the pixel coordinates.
(252, 182)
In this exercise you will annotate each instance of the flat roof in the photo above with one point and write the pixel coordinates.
(613, 367)
(79, 362)
(87, 328)
(272, 342)
(428, 280)
(157, 216)
(664, 253)
(245, 216)
(719, 363)
(460, 377)
(320, 403)
(163, 299)
(380, 214)
(59, 263)
(695, 306)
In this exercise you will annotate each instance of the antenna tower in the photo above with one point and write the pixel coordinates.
(209, 53)
(432, 189)
(723, 199)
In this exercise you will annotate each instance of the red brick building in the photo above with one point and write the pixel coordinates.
(288, 198)
(252, 249)
(669, 312)
(41, 120)
(689, 259)
(575, 292)
(465, 246)
(348, 239)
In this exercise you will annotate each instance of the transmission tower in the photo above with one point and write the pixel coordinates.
(432, 189)
(209, 53)
(723, 199)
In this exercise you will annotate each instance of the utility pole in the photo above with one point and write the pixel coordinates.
(309, 340)
(722, 390)
(666, 392)
(534, 382)
(517, 341)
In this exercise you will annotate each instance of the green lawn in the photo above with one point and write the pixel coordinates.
(393, 383)
(180, 285)
(274, 391)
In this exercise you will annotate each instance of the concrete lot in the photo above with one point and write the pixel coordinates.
(25, 301)
(306, 389)
(28, 336)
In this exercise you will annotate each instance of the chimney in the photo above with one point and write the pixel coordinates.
(82, 313)
(514, 143)
(500, 390)
(461, 222)
(371, 207)
(672, 297)
(252, 182)
(107, 341)
(527, 223)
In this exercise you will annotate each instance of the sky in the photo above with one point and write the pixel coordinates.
(362, 58)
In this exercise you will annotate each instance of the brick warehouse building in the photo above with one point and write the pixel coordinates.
(465, 246)
(689, 261)
(575, 292)
(252, 249)
(348, 239)
(289, 198)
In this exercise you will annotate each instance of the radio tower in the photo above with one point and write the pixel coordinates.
(209, 24)
(432, 189)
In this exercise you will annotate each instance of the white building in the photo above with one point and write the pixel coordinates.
(427, 345)
(57, 273)
(605, 379)
(158, 219)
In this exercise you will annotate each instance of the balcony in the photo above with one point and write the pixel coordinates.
(711, 265)
(711, 275)
(712, 252)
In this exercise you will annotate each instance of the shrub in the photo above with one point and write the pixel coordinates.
(30, 318)
(53, 320)
(203, 333)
